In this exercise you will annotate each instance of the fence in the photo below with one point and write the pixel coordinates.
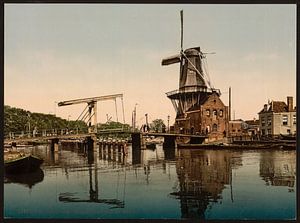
(44, 132)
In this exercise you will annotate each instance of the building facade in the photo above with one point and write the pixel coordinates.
(237, 128)
(209, 118)
(277, 118)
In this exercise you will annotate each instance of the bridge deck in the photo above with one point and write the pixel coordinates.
(84, 135)
(171, 134)
(44, 138)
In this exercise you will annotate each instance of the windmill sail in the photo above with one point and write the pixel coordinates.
(171, 60)
(194, 84)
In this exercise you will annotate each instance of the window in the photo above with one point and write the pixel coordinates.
(294, 119)
(207, 112)
(263, 132)
(269, 132)
(214, 114)
(269, 121)
(221, 113)
(284, 120)
(215, 128)
(263, 122)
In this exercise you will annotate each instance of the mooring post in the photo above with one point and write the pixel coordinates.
(90, 143)
(136, 140)
(54, 145)
(100, 150)
(114, 154)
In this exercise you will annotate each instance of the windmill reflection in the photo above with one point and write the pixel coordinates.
(202, 177)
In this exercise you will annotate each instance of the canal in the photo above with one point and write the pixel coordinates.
(154, 184)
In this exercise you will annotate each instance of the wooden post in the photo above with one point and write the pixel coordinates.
(114, 152)
(54, 145)
(90, 143)
(136, 141)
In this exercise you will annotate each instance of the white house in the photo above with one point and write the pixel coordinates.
(277, 117)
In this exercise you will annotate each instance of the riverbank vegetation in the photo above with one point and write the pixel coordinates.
(17, 120)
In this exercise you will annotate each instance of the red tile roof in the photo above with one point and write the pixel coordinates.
(276, 107)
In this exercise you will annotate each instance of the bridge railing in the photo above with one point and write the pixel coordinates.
(43, 133)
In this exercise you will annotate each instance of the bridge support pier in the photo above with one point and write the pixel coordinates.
(90, 143)
(169, 141)
(138, 141)
(54, 145)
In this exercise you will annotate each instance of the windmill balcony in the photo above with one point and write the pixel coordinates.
(190, 89)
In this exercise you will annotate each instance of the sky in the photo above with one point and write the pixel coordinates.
(58, 52)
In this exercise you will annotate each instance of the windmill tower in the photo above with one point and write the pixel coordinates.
(194, 82)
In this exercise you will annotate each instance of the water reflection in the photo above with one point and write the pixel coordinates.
(68, 197)
(105, 183)
(278, 168)
(202, 177)
(25, 179)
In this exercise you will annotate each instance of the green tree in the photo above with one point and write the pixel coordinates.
(158, 125)
(17, 120)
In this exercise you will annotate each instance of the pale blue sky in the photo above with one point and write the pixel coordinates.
(56, 52)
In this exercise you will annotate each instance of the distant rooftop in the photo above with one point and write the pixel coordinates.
(276, 107)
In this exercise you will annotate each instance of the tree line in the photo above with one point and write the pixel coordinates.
(19, 120)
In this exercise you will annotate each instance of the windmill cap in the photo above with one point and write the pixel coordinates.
(192, 51)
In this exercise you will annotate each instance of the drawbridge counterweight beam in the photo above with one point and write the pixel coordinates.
(92, 107)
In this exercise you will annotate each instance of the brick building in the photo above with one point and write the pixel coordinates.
(209, 117)
(237, 128)
(253, 127)
(198, 106)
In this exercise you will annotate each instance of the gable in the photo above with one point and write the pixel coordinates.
(213, 100)
(276, 107)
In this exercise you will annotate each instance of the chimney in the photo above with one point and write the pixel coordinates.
(290, 103)
(265, 107)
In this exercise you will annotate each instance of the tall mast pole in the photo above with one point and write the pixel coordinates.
(181, 40)
(229, 115)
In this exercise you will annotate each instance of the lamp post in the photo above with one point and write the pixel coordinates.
(68, 124)
(28, 116)
(168, 123)
(55, 102)
(134, 117)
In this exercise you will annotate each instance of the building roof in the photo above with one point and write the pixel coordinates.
(252, 122)
(276, 107)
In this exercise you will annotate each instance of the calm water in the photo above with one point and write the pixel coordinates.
(206, 184)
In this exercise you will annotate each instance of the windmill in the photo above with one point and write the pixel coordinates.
(194, 82)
